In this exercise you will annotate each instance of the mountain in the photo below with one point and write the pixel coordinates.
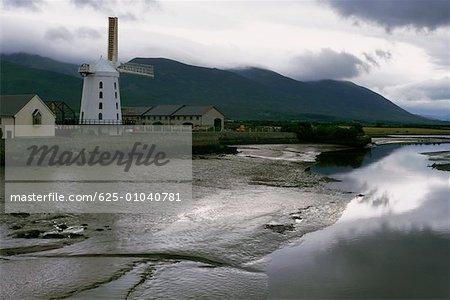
(249, 93)
(331, 98)
(42, 63)
(19, 79)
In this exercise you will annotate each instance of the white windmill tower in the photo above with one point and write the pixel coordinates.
(100, 101)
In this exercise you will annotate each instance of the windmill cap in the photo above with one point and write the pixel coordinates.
(104, 66)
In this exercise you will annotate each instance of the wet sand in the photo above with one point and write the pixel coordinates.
(245, 207)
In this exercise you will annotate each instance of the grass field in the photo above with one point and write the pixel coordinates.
(379, 131)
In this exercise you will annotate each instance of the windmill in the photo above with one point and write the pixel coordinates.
(100, 100)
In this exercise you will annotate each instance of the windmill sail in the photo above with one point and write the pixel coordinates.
(137, 69)
(112, 40)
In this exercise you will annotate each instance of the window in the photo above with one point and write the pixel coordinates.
(115, 94)
(198, 118)
(100, 116)
(100, 105)
(82, 115)
(100, 95)
(184, 118)
(190, 118)
(100, 85)
(115, 85)
(37, 117)
(117, 105)
(117, 116)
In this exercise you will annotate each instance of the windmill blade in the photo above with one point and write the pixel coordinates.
(136, 69)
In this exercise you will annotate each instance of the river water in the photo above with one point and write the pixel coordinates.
(392, 241)
(260, 225)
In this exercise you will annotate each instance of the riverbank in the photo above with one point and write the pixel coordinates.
(386, 131)
(226, 142)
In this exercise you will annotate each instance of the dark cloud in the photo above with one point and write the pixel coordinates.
(127, 16)
(26, 4)
(370, 59)
(113, 6)
(60, 33)
(386, 55)
(420, 14)
(376, 58)
(95, 4)
(87, 32)
(327, 64)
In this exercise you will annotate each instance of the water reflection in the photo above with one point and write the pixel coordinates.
(392, 181)
(389, 264)
(392, 240)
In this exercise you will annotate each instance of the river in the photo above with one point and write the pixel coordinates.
(265, 223)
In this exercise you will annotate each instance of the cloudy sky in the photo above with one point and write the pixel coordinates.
(399, 48)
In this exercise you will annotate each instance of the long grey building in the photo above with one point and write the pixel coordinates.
(199, 117)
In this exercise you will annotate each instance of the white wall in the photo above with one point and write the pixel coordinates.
(209, 117)
(25, 117)
(90, 98)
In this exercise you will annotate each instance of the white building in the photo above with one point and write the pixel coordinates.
(30, 110)
(100, 101)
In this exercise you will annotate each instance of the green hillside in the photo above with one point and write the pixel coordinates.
(42, 63)
(18, 79)
(339, 99)
(241, 94)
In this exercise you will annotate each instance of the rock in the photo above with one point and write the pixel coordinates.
(75, 235)
(15, 227)
(61, 227)
(61, 235)
(53, 235)
(280, 228)
(20, 215)
(58, 217)
(296, 216)
(26, 234)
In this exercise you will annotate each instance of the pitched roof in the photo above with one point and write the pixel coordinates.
(163, 110)
(10, 105)
(135, 110)
(190, 110)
